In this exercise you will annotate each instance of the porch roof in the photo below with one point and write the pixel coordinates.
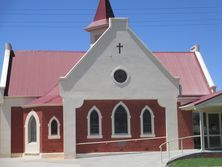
(211, 100)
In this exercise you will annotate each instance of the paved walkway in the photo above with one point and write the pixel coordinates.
(123, 160)
(148, 159)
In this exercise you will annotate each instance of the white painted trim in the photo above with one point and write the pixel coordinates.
(89, 136)
(41, 105)
(117, 136)
(122, 140)
(127, 79)
(50, 136)
(5, 67)
(152, 134)
(112, 27)
(53, 155)
(205, 70)
(35, 115)
(16, 155)
(128, 135)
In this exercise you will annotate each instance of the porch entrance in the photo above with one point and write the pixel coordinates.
(214, 133)
(212, 129)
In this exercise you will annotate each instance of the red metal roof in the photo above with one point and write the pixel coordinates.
(51, 98)
(185, 66)
(36, 73)
(207, 97)
(33, 73)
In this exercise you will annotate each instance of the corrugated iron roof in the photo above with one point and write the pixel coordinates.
(50, 98)
(33, 73)
(185, 66)
(207, 97)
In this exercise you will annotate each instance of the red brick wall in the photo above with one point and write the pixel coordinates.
(17, 131)
(45, 114)
(106, 106)
(185, 127)
(51, 145)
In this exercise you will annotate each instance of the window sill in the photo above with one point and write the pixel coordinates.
(115, 136)
(95, 137)
(147, 135)
(54, 137)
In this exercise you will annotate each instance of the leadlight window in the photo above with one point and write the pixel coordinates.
(147, 124)
(120, 76)
(120, 121)
(94, 123)
(32, 136)
(54, 127)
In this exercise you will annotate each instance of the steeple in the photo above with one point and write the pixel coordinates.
(104, 10)
(101, 20)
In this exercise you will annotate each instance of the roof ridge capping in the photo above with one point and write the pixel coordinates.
(196, 49)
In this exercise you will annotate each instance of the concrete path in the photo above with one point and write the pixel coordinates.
(148, 159)
(151, 159)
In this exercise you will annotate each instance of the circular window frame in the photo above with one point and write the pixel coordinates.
(121, 84)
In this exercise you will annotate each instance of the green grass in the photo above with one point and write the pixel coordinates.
(198, 162)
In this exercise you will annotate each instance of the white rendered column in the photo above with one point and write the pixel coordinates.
(202, 141)
(69, 128)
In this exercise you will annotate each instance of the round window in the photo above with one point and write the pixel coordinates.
(120, 76)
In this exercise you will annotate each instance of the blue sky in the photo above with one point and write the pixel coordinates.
(162, 25)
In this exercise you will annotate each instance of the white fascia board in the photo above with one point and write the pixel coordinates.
(188, 107)
(5, 68)
(85, 55)
(205, 70)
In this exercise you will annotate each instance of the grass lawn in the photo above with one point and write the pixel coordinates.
(198, 162)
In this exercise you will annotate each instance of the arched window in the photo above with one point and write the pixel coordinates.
(32, 136)
(147, 122)
(54, 128)
(121, 121)
(94, 123)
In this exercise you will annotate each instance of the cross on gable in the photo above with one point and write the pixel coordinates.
(120, 46)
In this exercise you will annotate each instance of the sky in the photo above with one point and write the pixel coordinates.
(163, 25)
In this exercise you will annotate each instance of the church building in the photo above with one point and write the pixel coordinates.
(118, 96)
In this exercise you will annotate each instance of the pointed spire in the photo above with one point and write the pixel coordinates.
(104, 10)
(103, 13)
